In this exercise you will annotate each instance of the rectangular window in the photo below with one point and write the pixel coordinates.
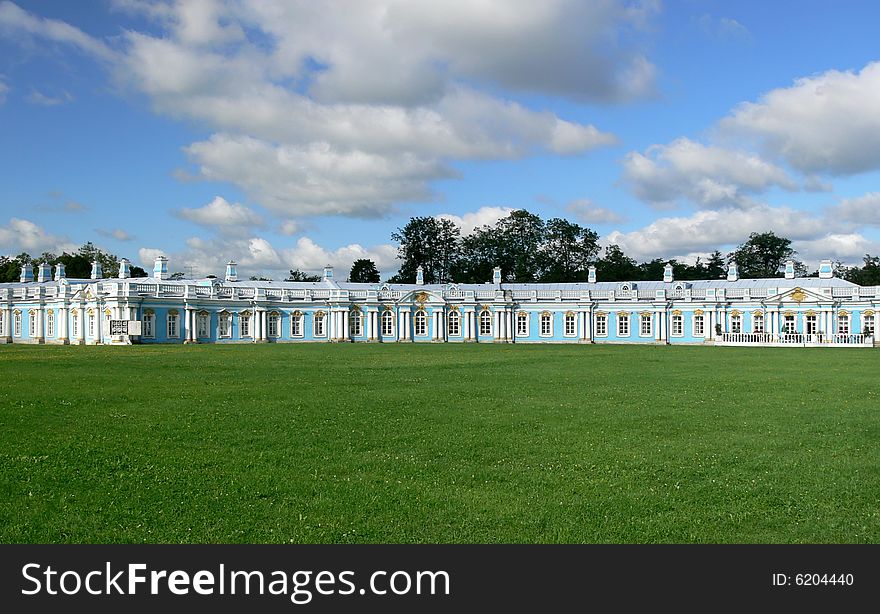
(387, 324)
(244, 323)
(622, 325)
(843, 324)
(224, 325)
(788, 325)
(17, 325)
(50, 324)
(677, 326)
(172, 328)
(454, 324)
(812, 325)
(485, 323)
(736, 324)
(202, 325)
(354, 324)
(699, 329)
(32, 324)
(570, 325)
(758, 323)
(601, 325)
(869, 325)
(546, 325)
(273, 325)
(421, 324)
(319, 325)
(92, 325)
(645, 322)
(74, 324)
(522, 325)
(149, 322)
(2, 322)
(296, 328)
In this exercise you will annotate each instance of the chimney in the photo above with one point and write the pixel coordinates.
(160, 267)
(789, 269)
(591, 274)
(826, 270)
(667, 273)
(732, 272)
(328, 273)
(420, 276)
(124, 269)
(27, 273)
(231, 271)
(97, 272)
(60, 272)
(44, 272)
(496, 275)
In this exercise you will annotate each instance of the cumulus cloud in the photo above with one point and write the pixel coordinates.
(348, 109)
(707, 230)
(25, 236)
(484, 216)
(707, 175)
(219, 213)
(587, 212)
(862, 210)
(827, 123)
(849, 248)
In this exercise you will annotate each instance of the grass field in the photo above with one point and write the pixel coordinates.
(415, 443)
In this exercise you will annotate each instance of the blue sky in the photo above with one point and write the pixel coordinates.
(295, 134)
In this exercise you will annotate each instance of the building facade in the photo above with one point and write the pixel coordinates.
(816, 312)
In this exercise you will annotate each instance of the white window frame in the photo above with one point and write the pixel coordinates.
(91, 329)
(224, 325)
(420, 323)
(319, 325)
(203, 325)
(453, 324)
(244, 325)
(758, 323)
(699, 325)
(601, 325)
(869, 323)
(2, 321)
(149, 325)
(522, 324)
(296, 325)
(786, 320)
(50, 324)
(485, 323)
(172, 326)
(387, 323)
(74, 324)
(273, 325)
(355, 323)
(545, 324)
(570, 325)
(16, 325)
(736, 324)
(32, 324)
(623, 329)
(843, 324)
(646, 325)
(676, 326)
(815, 324)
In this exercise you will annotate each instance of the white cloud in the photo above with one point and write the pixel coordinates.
(4, 89)
(827, 123)
(219, 213)
(14, 20)
(708, 175)
(862, 210)
(23, 235)
(44, 100)
(118, 234)
(484, 216)
(848, 248)
(147, 256)
(708, 230)
(587, 212)
(290, 228)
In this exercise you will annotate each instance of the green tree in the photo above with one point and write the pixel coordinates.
(866, 275)
(616, 266)
(430, 243)
(364, 270)
(566, 252)
(297, 275)
(762, 255)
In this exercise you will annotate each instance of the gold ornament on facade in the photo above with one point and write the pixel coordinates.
(297, 314)
(809, 312)
(869, 312)
(843, 312)
(486, 307)
(798, 295)
(319, 314)
(676, 312)
(387, 308)
(698, 312)
(421, 297)
(757, 312)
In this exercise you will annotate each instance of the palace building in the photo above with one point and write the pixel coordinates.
(817, 312)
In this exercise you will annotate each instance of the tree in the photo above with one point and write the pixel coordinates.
(763, 255)
(297, 275)
(616, 266)
(364, 271)
(715, 266)
(567, 250)
(430, 243)
(867, 275)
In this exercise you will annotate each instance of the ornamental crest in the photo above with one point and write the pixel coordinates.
(798, 295)
(421, 297)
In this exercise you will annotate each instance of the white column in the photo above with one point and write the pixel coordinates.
(189, 325)
(471, 324)
(7, 323)
(664, 334)
(40, 334)
(62, 324)
(508, 316)
(81, 329)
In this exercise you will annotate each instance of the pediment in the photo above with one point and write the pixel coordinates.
(798, 296)
(422, 297)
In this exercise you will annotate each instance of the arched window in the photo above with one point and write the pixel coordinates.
(273, 324)
(421, 323)
(32, 323)
(320, 318)
(485, 323)
(454, 324)
(91, 323)
(546, 324)
(16, 326)
(355, 323)
(74, 323)
(387, 324)
(570, 324)
(522, 324)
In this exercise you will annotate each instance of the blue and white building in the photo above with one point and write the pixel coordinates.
(818, 312)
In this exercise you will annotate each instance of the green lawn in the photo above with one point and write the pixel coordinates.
(418, 443)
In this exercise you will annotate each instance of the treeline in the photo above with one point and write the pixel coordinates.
(530, 249)
(77, 265)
